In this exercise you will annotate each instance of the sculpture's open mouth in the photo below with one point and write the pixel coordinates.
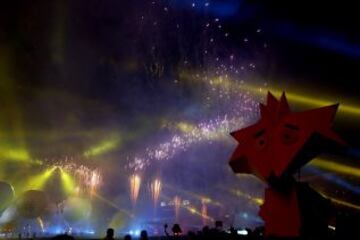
(239, 164)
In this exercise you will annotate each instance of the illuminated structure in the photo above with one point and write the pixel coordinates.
(273, 149)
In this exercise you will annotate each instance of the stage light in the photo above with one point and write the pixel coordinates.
(344, 203)
(90, 232)
(236, 192)
(198, 213)
(135, 232)
(15, 154)
(190, 209)
(41, 223)
(194, 195)
(341, 202)
(313, 101)
(103, 147)
(303, 99)
(38, 181)
(67, 182)
(242, 232)
(293, 96)
(332, 227)
(111, 204)
(335, 167)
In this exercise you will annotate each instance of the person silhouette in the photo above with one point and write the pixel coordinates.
(109, 234)
(63, 237)
(144, 235)
(165, 230)
(176, 229)
(127, 237)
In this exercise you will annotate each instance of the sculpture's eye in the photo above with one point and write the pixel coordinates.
(289, 134)
(260, 140)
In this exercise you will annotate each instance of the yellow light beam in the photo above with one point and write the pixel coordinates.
(341, 202)
(292, 96)
(335, 167)
(68, 183)
(10, 107)
(258, 201)
(307, 100)
(194, 195)
(103, 147)
(238, 193)
(41, 223)
(302, 99)
(192, 210)
(38, 181)
(111, 204)
(15, 154)
(344, 203)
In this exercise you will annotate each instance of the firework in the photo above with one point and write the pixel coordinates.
(85, 179)
(155, 188)
(204, 213)
(94, 181)
(177, 205)
(187, 135)
(223, 90)
(135, 182)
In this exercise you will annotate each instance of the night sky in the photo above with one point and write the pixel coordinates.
(130, 86)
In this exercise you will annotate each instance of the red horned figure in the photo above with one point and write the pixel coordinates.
(277, 146)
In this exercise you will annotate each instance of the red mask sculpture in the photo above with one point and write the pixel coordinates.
(277, 146)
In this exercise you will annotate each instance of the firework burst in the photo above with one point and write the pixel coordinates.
(135, 183)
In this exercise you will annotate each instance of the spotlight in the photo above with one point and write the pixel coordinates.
(67, 181)
(135, 233)
(242, 232)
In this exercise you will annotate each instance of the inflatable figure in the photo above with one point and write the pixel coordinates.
(275, 148)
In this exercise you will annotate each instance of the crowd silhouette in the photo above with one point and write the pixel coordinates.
(344, 230)
(207, 233)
